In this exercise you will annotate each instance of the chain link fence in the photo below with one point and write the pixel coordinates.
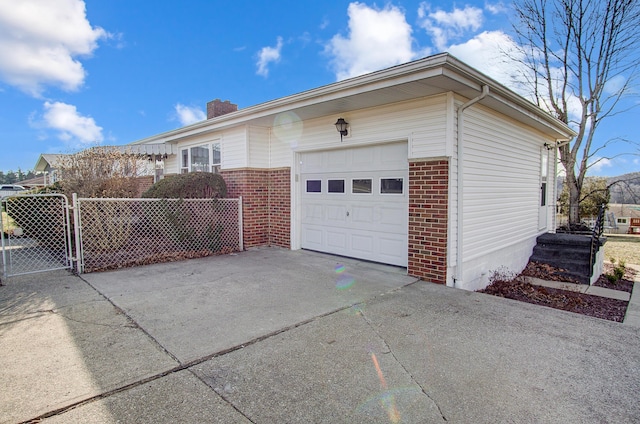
(119, 233)
(35, 234)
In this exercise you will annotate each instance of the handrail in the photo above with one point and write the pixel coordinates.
(598, 228)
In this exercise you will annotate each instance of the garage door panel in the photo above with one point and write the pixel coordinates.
(337, 214)
(388, 220)
(336, 160)
(337, 240)
(363, 215)
(362, 223)
(390, 154)
(362, 244)
(363, 159)
(392, 246)
(312, 237)
(313, 213)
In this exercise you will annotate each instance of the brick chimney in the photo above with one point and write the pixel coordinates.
(217, 107)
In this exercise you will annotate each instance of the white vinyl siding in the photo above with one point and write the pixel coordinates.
(234, 148)
(501, 182)
(258, 147)
(422, 121)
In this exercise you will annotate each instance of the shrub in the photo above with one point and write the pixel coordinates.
(176, 221)
(618, 271)
(194, 185)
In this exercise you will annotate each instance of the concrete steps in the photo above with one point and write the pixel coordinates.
(569, 252)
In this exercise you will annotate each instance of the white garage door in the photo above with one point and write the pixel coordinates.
(355, 202)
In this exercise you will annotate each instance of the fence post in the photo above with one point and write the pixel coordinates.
(240, 223)
(77, 233)
(4, 254)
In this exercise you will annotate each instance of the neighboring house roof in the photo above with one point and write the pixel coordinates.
(624, 210)
(37, 181)
(433, 75)
(47, 161)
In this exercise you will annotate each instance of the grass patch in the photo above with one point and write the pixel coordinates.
(623, 248)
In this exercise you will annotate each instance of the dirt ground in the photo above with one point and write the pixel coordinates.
(600, 307)
(622, 247)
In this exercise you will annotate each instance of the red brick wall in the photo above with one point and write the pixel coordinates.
(143, 184)
(280, 207)
(266, 204)
(428, 220)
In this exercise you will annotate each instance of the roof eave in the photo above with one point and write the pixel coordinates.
(438, 65)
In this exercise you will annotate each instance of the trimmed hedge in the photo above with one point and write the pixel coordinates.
(194, 185)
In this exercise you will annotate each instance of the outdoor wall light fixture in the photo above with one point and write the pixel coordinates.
(341, 126)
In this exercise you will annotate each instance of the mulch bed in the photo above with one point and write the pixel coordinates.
(625, 284)
(595, 306)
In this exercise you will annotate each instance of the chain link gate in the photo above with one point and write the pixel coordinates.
(113, 233)
(36, 234)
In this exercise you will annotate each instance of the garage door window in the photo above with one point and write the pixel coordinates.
(314, 186)
(361, 186)
(391, 186)
(336, 186)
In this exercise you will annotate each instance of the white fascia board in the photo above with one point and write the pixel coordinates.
(438, 65)
(412, 71)
(511, 99)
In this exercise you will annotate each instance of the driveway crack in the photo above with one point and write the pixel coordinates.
(133, 322)
(223, 397)
(390, 351)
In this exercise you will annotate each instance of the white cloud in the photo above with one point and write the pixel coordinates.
(40, 41)
(597, 164)
(443, 26)
(496, 54)
(268, 55)
(615, 85)
(73, 128)
(377, 39)
(189, 115)
(495, 8)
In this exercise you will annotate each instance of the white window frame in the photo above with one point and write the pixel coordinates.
(363, 194)
(404, 181)
(210, 167)
(306, 187)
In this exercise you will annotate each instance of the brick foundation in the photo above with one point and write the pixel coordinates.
(428, 220)
(266, 204)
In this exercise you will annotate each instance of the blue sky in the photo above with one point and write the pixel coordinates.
(74, 74)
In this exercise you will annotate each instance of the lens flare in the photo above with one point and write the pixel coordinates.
(288, 127)
(340, 269)
(388, 401)
(344, 282)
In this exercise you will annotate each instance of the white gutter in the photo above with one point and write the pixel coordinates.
(460, 163)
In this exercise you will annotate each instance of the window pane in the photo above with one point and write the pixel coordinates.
(336, 186)
(185, 158)
(216, 153)
(361, 186)
(200, 159)
(391, 185)
(314, 186)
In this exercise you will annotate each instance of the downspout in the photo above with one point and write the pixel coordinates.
(460, 163)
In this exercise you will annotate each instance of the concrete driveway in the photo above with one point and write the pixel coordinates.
(272, 335)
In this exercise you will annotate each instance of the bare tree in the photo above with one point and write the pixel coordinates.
(100, 172)
(582, 59)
